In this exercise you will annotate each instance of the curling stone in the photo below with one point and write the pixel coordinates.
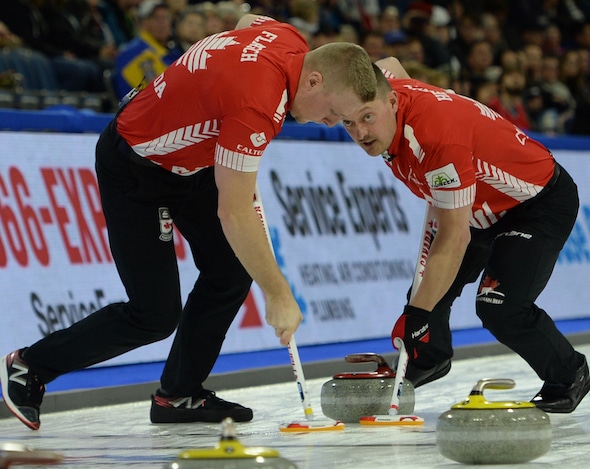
(229, 453)
(17, 453)
(477, 431)
(352, 395)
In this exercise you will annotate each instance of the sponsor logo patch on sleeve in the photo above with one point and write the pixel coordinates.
(443, 178)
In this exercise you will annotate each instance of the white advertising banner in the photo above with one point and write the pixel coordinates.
(345, 234)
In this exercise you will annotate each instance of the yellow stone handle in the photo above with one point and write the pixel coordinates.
(477, 401)
(496, 383)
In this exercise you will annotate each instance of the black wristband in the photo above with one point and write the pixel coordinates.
(408, 309)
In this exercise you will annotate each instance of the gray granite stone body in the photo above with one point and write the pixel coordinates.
(493, 436)
(350, 399)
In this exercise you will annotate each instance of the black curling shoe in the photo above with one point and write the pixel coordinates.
(564, 398)
(419, 376)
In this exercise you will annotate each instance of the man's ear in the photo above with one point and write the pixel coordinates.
(313, 79)
(392, 98)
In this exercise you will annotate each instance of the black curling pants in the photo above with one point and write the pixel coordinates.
(515, 258)
(136, 199)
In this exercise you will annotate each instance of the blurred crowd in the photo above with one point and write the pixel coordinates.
(529, 60)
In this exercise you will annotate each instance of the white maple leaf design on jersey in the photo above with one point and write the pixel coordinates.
(195, 58)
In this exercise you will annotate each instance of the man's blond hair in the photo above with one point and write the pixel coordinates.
(383, 85)
(344, 65)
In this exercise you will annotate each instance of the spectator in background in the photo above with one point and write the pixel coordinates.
(390, 21)
(492, 33)
(416, 15)
(486, 93)
(362, 14)
(414, 52)
(213, 22)
(230, 13)
(417, 23)
(43, 30)
(533, 33)
(517, 30)
(441, 31)
(92, 21)
(511, 60)
(428, 75)
(190, 28)
(508, 103)
(80, 29)
(393, 32)
(575, 74)
(469, 31)
(565, 14)
(534, 104)
(419, 71)
(552, 41)
(532, 17)
(119, 18)
(441, 22)
(558, 103)
(348, 34)
(374, 43)
(570, 68)
(479, 64)
(581, 35)
(274, 8)
(457, 11)
(395, 45)
(331, 18)
(22, 67)
(533, 58)
(7, 38)
(176, 7)
(149, 54)
(305, 16)
(323, 36)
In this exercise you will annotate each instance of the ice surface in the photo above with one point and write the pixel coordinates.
(122, 436)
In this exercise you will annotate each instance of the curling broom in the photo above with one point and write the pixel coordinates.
(310, 424)
(393, 417)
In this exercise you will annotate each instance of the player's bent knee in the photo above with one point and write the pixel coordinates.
(157, 323)
(500, 320)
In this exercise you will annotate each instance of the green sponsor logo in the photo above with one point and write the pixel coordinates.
(441, 179)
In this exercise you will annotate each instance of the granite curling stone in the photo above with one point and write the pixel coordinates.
(477, 431)
(229, 453)
(352, 395)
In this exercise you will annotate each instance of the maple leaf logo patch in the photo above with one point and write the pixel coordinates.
(487, 291)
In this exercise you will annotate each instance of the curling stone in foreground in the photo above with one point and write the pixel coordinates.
(352, 395)
(16, 453)
(477, 431)
(229, 453)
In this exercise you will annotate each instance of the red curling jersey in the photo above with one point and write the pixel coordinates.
(222, 101)
(453, 151)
